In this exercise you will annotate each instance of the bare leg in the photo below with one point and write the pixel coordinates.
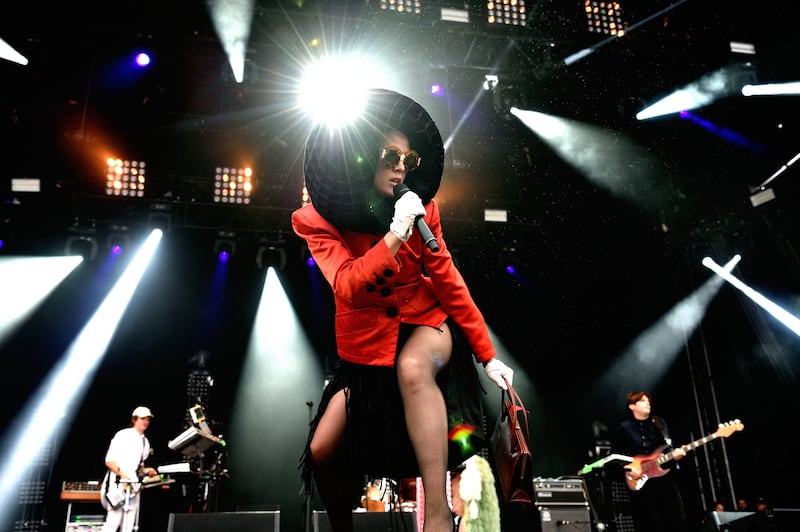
(426, 352)
(330, 472)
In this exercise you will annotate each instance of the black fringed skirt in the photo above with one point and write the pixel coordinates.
(377, 442)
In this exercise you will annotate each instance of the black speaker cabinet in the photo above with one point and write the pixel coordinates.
(371, 522)
(227, 521)
(565, 519)
(785, 519)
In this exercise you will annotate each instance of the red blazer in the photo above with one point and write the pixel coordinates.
(375, 291)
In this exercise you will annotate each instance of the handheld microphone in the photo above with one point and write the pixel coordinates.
(422, 226)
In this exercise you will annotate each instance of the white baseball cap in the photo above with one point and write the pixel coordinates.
(142, 411)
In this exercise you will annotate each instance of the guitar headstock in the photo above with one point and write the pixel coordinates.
(726, 429)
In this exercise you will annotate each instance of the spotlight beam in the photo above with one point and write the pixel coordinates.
(232, 21)
(779, 171)
(8, 52)
(783, 316)
(650, 354)
(25, 282)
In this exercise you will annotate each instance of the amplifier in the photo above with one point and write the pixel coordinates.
(559, 492)
(564, 518)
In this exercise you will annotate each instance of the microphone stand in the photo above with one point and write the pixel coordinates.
(310, 492)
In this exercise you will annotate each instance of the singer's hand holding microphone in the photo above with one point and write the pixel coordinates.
(407, 207)
(406, 210)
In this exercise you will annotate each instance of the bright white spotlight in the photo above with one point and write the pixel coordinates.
(232, 20)
(783, 316)
(771, 89)
(333, 89)
(7, 52)
(722, 83)
(25, 282)
(142, 59)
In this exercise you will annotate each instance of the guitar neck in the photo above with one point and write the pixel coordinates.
(666, 457)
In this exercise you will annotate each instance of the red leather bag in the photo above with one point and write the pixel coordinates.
(511, 446)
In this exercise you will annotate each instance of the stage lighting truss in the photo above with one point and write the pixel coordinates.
(507, 12)
(233, 185)
(604, 17)
(125, 178)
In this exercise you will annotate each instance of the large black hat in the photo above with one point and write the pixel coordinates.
(339, 164)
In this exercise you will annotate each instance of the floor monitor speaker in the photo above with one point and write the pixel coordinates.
(371, 522)
(227, 521)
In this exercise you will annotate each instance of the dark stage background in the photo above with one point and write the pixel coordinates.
(601, 254)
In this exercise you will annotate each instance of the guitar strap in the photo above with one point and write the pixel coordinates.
(665, 433)
(663, 429)
(141, 462)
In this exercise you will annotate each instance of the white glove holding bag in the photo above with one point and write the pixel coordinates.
(406, 209)
(497, 371)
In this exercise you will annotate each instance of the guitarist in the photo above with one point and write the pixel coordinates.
(125, 457)
(657, 505)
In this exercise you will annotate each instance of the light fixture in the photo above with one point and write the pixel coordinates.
(455, 15)
(604, 17)
(762, 196)
(118, 239)
(508, 259)
(233, 185)
(271, 253)
(411, 7)
(82, 245)
(159, 217)
(21, 184)
(507, 12)
(125, 178)
(142, 59)
(507, 95)
(81, 239)
(305, 256)
(5, 235)
(225, 245)
(495, 215)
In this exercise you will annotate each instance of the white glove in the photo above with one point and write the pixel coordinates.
(496, 371)
(406, 209)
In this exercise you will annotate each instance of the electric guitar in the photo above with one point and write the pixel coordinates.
(113, 493)
(649, 466)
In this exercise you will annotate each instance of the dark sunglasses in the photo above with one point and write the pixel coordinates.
(392, 156)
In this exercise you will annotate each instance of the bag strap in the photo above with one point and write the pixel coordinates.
(516, 406)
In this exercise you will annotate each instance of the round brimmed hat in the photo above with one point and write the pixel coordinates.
(339, 164)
